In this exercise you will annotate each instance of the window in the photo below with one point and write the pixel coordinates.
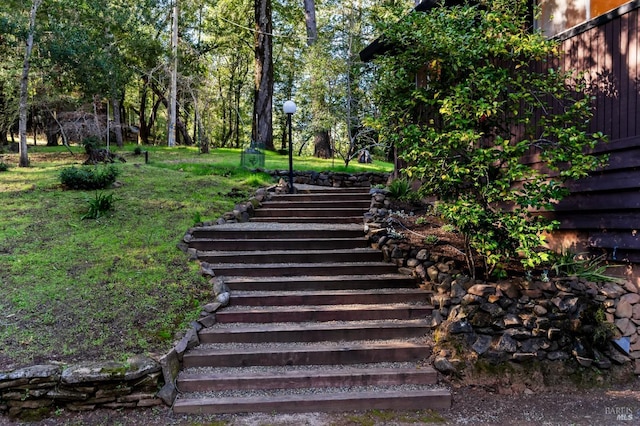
(560, 15)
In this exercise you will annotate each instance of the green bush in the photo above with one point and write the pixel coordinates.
(481, 109)
(91, 143)
(99, 205)
(89, 177)
(399, 188)
(3, 167)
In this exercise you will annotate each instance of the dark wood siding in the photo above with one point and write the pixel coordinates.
(604, 209)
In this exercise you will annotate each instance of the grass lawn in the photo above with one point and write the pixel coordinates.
(73, 289)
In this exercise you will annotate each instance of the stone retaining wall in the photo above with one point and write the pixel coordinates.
(334, 179)
(32, 392)
(519, 320)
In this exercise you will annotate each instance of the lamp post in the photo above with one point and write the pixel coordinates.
(289, 108)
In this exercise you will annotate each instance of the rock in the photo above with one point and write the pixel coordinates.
(223, 298)
(557, 356)
(219, 286)
(636, 312)
(482, 290)
(211, 307)
(422, 255)
(35, 371)
(624, 309)
(506, 344)
(554, 333)
(460, 326)
(436, 319)
(510, 289)
(539, 310)
(630, 287)
(457, 290)
(413, 262)
(433, 272)
(583, 361)
(170, 365)
(168, 393)
(207, 320)
(631, 298)
(612, 291)
(625, 326)
(443, 365)
(482, 344)
(134, 368)
(493, 309)
(524, 356)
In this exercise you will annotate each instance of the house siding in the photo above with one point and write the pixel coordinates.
(603, 211)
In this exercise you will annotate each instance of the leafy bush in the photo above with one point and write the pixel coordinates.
(99, 205)
(137, 151)
(3, 166)
(88, 177)
(481, 108)
(91, 143)
(399, 188)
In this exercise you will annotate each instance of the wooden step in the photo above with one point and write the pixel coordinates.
(322, 313)
(307, 354)
(324, 402)
(296, 269)
(305, 220)
(318, 377)
(329, 297)
(320, 282)
(205, 244)
(313, 332)
(359, 255)
(252, 232)
(310, 211)
(362, 204)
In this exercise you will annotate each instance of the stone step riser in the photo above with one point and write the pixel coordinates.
(342, 283)
(435, 400)
(255, 270)
(305, 315)
(330, 356)
(292, 257)
(300, 380)
(278, 334)
(302, 298)
(278, 244)
(309, 212)
(280, 234)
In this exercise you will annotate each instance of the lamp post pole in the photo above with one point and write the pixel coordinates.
(289, 108)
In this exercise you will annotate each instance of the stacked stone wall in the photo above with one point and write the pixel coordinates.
(596, 324)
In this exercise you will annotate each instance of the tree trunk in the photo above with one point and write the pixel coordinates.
(117, 119)
(262, 124)
(322, 144)
(310, 21)
(321, 138)
(24, 86)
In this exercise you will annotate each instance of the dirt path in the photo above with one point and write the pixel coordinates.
(471, 406)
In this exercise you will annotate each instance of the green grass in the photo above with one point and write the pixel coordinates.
(106, 288)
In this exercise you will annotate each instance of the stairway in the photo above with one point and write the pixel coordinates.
(316, 320)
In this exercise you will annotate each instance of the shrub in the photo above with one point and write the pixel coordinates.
(91, 143)
(99, 205)
(399, 188)
(478, 113)
(88, 177)
(3, 167)
(137, 151)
